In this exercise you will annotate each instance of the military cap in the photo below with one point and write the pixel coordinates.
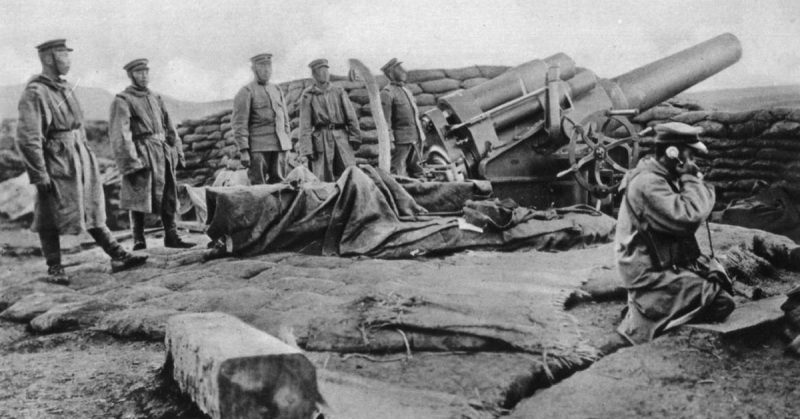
(680, 134)
(53, 44)
(390, 65)
(265, 57)
(137, 64)
(320, 62)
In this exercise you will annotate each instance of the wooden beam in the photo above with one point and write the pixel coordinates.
(748, 315)
(233, 370)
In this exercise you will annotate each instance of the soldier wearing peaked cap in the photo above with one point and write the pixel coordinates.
(260, 124)
(148, 151)
(329, 131)
(52, 139)
(665, 201)
(402, 116)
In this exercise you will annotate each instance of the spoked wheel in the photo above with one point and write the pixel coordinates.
(602, 148)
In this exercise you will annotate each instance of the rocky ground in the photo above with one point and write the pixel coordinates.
(93, 350)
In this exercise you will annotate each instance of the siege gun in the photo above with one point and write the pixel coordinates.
(550, 133)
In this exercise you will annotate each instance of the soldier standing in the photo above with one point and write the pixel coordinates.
(329, 131)
(665, 201)
(52, 139)
(148, 150)
(402, 116)
(261, 125)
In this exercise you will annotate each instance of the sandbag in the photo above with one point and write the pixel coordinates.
(464, 73)
(416, 76)
(440, 86)
(425, 99)
(469, 83)
(492, 71)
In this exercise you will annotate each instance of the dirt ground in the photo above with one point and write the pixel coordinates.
(88, 373)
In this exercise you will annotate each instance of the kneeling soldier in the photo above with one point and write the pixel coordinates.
(665, 201)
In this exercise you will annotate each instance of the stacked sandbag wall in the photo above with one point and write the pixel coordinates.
(744, 147)
(209, 146)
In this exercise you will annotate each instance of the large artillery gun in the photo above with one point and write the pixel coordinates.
(550, 133)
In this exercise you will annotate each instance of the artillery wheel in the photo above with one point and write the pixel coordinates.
(601, 150)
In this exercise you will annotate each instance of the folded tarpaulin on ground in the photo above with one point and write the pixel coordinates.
(366, 212)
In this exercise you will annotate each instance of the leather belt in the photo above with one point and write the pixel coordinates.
(331, 126)
(141, 137)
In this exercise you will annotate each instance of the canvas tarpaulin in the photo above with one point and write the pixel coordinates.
(366, 212)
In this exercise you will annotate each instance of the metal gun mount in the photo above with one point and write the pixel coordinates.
(530, 127)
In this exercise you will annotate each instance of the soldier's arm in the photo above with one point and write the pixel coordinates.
(352, 118)
(33, 120)
(171, 133)
(240, 119)
(121, 138)
(667, 211)
(386, 101)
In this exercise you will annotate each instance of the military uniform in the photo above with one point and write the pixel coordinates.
(147, 150)
(70, 199)
(661, 211)
(328, 129)
(260, 124)
(405, 129)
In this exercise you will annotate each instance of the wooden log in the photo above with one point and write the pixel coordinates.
(233, 370)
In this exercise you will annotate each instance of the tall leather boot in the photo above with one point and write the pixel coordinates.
(51, 250)
(171, 237)
(137, 225)
(120, 258)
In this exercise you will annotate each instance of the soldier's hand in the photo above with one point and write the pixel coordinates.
(689, 167)
(244, 157)
(355, 145)
(310, 157)
(48, 188)
(45, 187)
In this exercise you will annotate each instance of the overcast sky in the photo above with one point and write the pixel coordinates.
(199, 50)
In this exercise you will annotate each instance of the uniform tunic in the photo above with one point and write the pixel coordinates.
(405, 129)
(401, 113)
(143, 137)
(260, 120)
(52, 139)
(660, 299)
(328, 124)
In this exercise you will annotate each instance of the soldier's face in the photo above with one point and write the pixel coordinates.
(61, 61)
(141, 77)
(399, 73)
(321, 74)
(262, 70)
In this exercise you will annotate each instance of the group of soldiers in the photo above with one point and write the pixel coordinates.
(665, 200)
(52, 139)
(329, 132)
(148, 150)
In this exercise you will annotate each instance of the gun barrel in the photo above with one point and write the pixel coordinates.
(660, 80)
(519, 80)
